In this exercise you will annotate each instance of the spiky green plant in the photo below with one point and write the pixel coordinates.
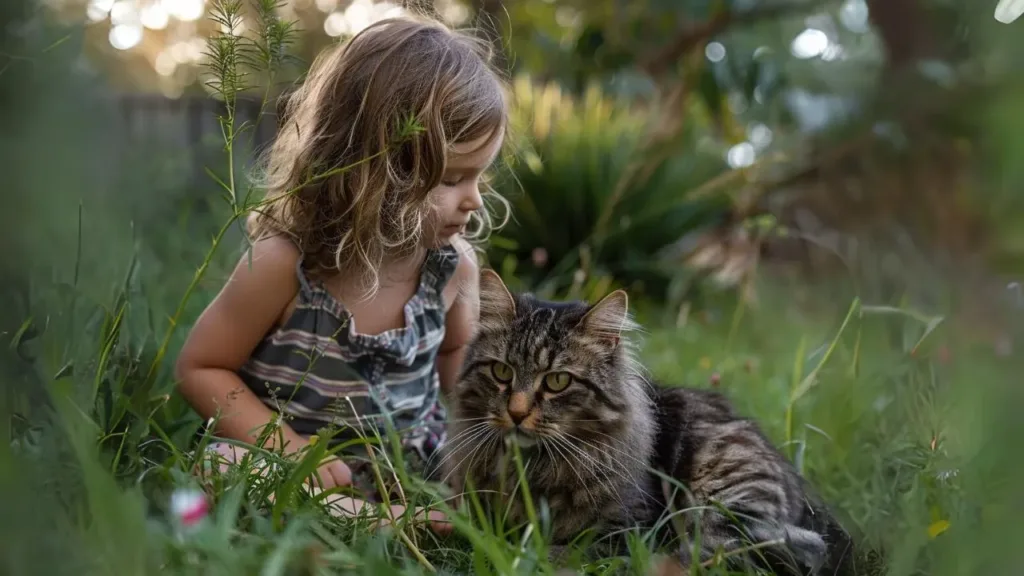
(583, 216)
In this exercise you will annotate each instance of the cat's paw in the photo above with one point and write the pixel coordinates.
(668, 566)
(558, 554)
(808, 547)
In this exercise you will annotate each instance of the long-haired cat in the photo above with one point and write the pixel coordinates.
(561, 381)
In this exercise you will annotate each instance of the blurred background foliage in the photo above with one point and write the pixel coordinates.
(657, 127)
(738, 165)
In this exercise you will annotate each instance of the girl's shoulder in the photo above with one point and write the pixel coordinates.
(260, 292)
(268, 274)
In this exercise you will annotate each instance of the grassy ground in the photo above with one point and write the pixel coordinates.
(903, 423)
(908, 425)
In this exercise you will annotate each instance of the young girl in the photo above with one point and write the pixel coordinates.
(361, 291)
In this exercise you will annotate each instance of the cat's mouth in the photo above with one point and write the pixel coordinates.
(523, 439)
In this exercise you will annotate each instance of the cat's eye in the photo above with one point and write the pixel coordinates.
(557, 381)
(501, 372)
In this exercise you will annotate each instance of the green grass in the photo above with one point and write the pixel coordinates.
(908, 426)
(903, 423)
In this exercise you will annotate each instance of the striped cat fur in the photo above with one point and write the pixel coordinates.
(561, 380)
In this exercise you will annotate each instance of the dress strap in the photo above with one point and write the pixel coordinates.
(439, 268)
(304, 285)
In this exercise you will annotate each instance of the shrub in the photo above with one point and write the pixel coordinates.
(588, 209)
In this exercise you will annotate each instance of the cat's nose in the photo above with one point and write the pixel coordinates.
(518, 407)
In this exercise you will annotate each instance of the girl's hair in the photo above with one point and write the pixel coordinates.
(346, 177)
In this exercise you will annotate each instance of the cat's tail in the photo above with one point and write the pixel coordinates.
(784, 549)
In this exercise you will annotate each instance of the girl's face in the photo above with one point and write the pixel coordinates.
(458, 195)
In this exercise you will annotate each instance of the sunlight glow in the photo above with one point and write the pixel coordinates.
(165, 64)
(714, 51)
(153, 16)
(95, 13)
(98, 9)
(335, 24)
(759, 135)
(741, 155)
(392, 10)
(326, 5)
(833, 52)
(1009, 10)
(185, 10)
(455, 12)
(125, 36)
(359, 15)
(811, 43)
(124, 12)
(854, 16)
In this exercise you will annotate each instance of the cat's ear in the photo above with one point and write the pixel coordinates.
(497, 308)
(608, 318)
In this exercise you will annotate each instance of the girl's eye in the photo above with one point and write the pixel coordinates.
(450, 182)
(501, 372)
(557, 381)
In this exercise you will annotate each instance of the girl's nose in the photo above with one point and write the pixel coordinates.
(472, 201)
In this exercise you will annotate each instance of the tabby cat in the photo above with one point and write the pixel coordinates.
(561, 381)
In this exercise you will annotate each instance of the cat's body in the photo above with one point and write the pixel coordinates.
(724, 458)
(560, 381)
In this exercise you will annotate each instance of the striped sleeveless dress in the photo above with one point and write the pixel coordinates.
(320, 372)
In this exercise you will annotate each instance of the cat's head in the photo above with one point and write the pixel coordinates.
(553, 371)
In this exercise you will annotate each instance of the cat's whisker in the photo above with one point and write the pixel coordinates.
(483, 448)
(463, 433)
(594, 463)
(597, 464)
(466, 420)
(591, 464)
(616, 464)
(454, 442)
(554, 444)
(645, 465)
(489, 435)
(610, 447)
(466, 442)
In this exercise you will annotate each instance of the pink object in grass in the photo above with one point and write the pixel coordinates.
(189, 506)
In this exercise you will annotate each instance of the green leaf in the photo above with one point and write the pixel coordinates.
(938, 527)
(22, 334)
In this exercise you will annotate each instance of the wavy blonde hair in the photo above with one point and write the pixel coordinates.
(344, 178)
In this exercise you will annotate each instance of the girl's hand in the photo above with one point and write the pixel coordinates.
(341, 505)
(333, 473)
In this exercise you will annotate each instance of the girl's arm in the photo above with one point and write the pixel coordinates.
(251, 303)
(460, 323)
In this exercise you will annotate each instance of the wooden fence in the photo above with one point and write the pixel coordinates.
(189, 126)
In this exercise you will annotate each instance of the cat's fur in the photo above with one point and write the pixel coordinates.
(590, 447)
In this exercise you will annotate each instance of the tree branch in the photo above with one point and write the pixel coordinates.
(905, 30)
(692, 36)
